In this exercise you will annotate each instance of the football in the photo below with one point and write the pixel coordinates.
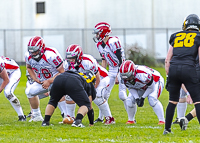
(68, 120)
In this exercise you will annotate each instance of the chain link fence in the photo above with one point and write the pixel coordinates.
(13, 42)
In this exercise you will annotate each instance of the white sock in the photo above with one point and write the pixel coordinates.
(101, 116)
(158, 109)
(181, 109)
(104, 109)
(71, 109)
(131, 112)
(62, 107)
(36, 111)
(17, 108)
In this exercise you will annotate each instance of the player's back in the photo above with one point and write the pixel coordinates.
(10, 64)
(185, 47)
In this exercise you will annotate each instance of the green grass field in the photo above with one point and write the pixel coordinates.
(146, 130)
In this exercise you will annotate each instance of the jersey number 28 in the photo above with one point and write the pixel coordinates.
(184, 39)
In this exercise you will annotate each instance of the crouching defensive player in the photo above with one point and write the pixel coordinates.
(79, 86)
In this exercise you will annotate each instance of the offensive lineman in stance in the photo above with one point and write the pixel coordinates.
(9, 78)
(43, 64)
(142, 82)
(77, 61)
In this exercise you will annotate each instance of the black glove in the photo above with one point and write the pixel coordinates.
(140, 103)
(137, 100)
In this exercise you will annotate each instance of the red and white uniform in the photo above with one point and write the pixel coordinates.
(142, 78)
(143, 86)
(9, 64)
(108, 53)
(14, 75)
(45, 68)
(90, 63)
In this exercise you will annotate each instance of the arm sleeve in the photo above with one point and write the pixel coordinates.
(119, 56)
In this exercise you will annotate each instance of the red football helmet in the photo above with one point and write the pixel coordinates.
(36, 47)
(101, 30)
(127, 69)
(74, 52)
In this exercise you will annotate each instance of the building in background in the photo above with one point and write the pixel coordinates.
(149, 23)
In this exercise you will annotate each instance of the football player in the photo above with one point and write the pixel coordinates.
(181, 58)
(80, 88)
(76, 60)
(112, 53)
(43, 64)
(9, 78)
(142, 82)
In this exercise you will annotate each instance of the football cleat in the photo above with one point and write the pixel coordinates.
(29, 115)
(161, 122)
(63, 115)
(77, 123)
(130, 122)
(109, 120)
(22, 118)
(167, 132)
(183, 123)
(45, 123)
(176, 121)
(98, 120)
(36, 118)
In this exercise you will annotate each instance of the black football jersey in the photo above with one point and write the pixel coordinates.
(185, 47)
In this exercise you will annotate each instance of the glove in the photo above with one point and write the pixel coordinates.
(137, 100)
(141, 102)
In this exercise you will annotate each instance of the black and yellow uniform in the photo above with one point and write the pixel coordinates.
(183, 64)
(182, 69)
(76, 85)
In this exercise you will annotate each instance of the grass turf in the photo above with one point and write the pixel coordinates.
(146, 130)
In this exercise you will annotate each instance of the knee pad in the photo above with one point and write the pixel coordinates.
(152, 101)
(98, 101)
(12, 98)
(68, 98)
(122, 95)
(105, 93)
(130, 103)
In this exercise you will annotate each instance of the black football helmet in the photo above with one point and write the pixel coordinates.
(192, 21)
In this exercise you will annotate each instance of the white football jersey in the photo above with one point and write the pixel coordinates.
(9, 64)
(47, 66)
(102, 71)
(88, 63)
(143, 76)
(108, 52)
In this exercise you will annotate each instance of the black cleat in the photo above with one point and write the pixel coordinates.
(29, 115)
(176, 121)
(183, 123)
(167, 132)
(45, 123)
(22, 118)
(98, 120)
(77, 123)
(63, 115)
